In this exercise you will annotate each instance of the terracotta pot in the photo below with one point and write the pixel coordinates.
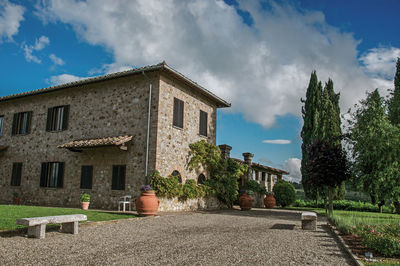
(147, 203)
(17, 201)
(246, 202)
(85, 205)
(269, 201)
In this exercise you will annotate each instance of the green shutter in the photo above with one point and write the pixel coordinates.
(49, 119)
(60, 177)
(65, 117)
(14, 124)
(43, 175)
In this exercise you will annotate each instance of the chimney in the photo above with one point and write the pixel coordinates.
(248, 157)
(225, 151)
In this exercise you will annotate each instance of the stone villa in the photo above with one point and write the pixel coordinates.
(104, 135)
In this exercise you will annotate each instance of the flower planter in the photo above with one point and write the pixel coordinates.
(147, 203)
(269, 201)
(246, 202)
(85, 205)
(17, 201)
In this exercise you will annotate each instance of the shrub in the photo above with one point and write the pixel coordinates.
(346, 205)
(170, 187)
(284, 193)
(384, 238)
(255, 187)
(85, 197)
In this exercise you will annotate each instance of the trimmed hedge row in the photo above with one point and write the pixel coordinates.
(346, 205)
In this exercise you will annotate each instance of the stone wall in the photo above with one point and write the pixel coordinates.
(109, 108)
(175, 205)
(258, 200)
(172, 142)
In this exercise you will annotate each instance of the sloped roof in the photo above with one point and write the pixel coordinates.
(98, 142)
(264, 167)
(159, 67)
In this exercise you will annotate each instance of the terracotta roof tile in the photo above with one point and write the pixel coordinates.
(89, 143)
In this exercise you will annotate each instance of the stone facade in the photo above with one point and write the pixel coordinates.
(114, 105)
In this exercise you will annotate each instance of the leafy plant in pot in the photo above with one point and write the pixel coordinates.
(147, 203)
(16, 199)
(85, 201)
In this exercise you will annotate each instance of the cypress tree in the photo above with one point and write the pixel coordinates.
(311, 116)
(394, 111)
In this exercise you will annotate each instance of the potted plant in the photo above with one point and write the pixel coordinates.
(246, 200)
(147, 203)
(269, 200)
(16, 199)
(85, 201)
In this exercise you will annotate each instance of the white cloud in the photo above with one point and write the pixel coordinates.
(11, 16)
(40, 43)
(56, 60)
(380, 62)
(292, 165)
(63, 78)
(262, 69)
(277, 141)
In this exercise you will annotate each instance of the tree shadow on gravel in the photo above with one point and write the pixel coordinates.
(261, 213)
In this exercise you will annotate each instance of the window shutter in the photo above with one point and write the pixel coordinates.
(83, 174)
(65, 117)
(28, 122)
(181, 110)
(19, 173)
(14, 124)
(49, 119)
(90, 177)
(114, 184)
(60, 175)
(176, 111)
(43, 175)
(122, 177)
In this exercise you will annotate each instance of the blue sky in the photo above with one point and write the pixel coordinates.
(258, 55)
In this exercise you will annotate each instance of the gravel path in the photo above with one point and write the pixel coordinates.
(229, 237)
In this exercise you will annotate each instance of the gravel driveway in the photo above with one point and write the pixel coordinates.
(256, 237)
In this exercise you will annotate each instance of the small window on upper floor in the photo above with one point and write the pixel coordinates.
(57, 118)
(178, 175)
(178, 113)
(1, 125)
(22, 123)
(203, 123)
(201, 179)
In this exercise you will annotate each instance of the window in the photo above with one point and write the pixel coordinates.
(16, 174)
(203, 123)
(52, 174)
(1, 125)
(86, 177)
(178, 113)
(178, 175)
(57, 118)
(201, 179)
(22, 123)
(118, 177)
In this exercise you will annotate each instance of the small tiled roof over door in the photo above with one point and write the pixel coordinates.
(78, 145)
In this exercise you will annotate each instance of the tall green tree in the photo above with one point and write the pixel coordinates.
(376, 149)
(394, 111)
(311, 116)
(330, 125)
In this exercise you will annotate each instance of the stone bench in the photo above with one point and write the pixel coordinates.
(309, 221)
(37, 225)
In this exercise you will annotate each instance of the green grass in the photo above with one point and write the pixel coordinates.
(10, 213)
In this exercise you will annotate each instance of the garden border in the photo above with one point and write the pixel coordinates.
(345, 247)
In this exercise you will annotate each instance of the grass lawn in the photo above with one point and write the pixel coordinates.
(10, 213)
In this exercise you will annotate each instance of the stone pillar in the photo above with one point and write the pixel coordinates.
(257, 176)
(248, 157)
(225, 151)
(270, 181)
(263, 180)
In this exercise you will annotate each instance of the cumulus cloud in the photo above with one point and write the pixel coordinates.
(40, 43)
(292, 165)
(263, 69)
(380, 62)
(277, 141)
(63, 78)
(11, 16)
(56, 60)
